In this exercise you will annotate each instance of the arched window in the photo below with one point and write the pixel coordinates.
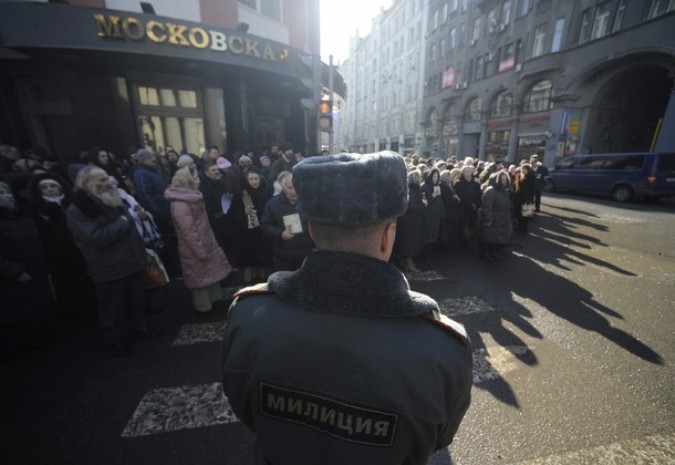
(474, 109)
(501, 105)
(538, 98)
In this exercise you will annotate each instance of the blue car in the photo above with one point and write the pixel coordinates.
(623, 176)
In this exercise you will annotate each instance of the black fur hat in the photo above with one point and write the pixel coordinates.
(351, 189)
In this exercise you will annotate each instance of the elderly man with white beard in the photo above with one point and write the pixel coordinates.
(115, 257)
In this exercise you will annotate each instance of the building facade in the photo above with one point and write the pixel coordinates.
(385, 77)
(190, 74)
(508, 78)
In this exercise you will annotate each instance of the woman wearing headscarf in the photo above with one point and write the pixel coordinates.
(203, 262)
(254, 255)
(49, 196)
(434, 213)
(27, 316)
(496, 225)
(469, 194)
(410, 226)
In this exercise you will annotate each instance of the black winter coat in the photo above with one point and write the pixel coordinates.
(26, 308)
(496, 225)
(254, 248)
(111, 246)
(74, 288)
(469, 194)
(524, 193)
(272, 222)
(410, 226)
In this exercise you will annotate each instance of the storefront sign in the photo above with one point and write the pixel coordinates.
(498, 123)
(574, 127)
(537, 118)
(112, 27)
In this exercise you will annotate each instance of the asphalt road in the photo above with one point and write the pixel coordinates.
(572, 333)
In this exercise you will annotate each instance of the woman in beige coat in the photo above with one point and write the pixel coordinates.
(203, 261)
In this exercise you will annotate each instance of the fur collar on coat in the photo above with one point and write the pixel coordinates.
(350, 284)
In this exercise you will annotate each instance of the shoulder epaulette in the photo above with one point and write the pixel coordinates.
(257, 289)
(448, 323)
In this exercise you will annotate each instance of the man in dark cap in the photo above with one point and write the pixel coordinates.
(339, 362)
(285, 162)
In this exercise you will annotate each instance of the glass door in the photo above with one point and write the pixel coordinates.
(170, 116)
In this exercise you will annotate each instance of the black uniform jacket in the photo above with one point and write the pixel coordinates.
(340, 363)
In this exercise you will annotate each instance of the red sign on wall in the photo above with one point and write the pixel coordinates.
(507, 63)
(448, 78)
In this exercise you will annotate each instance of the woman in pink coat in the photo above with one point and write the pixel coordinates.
(204, 263)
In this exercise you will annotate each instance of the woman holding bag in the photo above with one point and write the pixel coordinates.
(203, 261)
(523, 197)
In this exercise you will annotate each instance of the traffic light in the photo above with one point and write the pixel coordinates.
(326, 115)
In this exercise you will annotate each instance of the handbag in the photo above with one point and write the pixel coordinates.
(527, 210)
(155, 273)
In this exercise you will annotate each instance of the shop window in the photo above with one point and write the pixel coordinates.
(163, 97)
(538, 98)
(502, 105)
(497, 145)
(170, 116)
(148, 96)
(474, 109)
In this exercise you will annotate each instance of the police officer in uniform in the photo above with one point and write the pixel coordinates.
(339, 362)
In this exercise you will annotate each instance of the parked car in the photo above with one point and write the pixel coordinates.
(623, 176)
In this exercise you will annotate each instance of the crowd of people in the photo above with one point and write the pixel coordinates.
(466, 204)
(102, 235)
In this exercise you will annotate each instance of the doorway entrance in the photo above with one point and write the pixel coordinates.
(170, 116)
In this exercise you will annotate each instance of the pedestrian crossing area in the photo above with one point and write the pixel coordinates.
(189, 407)
(193, 406)
(180, 407)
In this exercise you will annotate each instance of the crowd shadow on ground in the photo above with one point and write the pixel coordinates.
(523, 274)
